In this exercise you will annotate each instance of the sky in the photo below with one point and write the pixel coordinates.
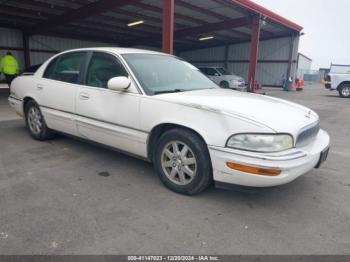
(326, 26)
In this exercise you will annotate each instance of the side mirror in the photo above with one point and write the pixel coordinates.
(119, 83)
(216, 74)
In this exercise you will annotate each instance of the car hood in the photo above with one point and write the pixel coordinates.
(232, 77)
(277, 114)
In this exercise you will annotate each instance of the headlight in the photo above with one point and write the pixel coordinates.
(261, 142)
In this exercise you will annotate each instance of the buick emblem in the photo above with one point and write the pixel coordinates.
(308, 115)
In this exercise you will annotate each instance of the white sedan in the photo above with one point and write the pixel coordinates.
(162, 109)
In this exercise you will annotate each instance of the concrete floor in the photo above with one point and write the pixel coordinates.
(69, 197)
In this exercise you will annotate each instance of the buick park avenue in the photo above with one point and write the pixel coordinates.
(162, 109)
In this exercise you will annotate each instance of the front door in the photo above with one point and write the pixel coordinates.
(213, 75)
(106, 116)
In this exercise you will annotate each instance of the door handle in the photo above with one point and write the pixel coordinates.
(84, 96)
(39, 87)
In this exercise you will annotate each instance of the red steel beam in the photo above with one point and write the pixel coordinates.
(168, 26)
(258, 9)
(254, 52)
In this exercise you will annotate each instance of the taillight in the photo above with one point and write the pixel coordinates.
(327, 78)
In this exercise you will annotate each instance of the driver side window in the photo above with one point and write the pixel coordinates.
(103, 67)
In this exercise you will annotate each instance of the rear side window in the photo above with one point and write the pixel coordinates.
(203, 70)
(103, 67)
(50, 68)
(211, 72)
(67, 67)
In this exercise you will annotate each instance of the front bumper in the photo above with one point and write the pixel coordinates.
(237, 85)
(293, 163)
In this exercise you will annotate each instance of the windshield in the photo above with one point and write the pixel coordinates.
(223, 71)
(165, 74)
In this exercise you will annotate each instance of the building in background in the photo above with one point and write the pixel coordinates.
(240, 35)
(304, 64)
(277, 59)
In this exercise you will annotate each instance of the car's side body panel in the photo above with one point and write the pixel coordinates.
(112, 118)
(56, 100)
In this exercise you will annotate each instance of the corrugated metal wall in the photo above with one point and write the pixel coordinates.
(13, 38)
(51, 43)
(238, 55)
(273, 54)
(46, 44)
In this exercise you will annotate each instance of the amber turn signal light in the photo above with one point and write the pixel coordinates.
(255, 170)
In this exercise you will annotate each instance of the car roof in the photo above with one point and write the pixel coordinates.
(210, 67)
(117, 50)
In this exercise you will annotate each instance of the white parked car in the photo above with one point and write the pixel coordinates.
(223, 78)
(193, 131)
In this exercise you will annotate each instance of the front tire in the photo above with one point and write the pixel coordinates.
(344, 90)
(35, 122)
(225, 84)
(182, 162)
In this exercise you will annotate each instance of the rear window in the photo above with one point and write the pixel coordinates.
(66, 68)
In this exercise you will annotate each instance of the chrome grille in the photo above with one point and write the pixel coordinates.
(305, 136)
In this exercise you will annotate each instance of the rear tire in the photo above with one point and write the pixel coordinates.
(35, 122)
(182, 162)
(344, 90)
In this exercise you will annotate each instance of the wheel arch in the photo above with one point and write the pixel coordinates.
(26, 100)
(343, 83)
(160, 129)
(224, 81)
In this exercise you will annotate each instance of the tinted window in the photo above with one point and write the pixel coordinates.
(103, 67)
(203, 70)
(67, 68)
(49, 71)
(211, 72)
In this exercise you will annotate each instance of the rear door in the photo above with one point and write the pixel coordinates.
(106, 116)
(57, 89)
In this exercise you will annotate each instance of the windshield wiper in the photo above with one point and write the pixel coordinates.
(169, 91)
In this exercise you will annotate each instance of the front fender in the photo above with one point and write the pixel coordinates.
(214, 127)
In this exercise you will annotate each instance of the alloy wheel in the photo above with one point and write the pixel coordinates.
(35, 120)
(179, 163)
(345, 91)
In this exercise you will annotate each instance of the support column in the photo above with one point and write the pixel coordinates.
(254, 52)
(168, 26)
(227, 50)
(26, 51)
(290, 59)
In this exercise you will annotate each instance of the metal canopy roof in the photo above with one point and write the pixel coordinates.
(228, 21)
